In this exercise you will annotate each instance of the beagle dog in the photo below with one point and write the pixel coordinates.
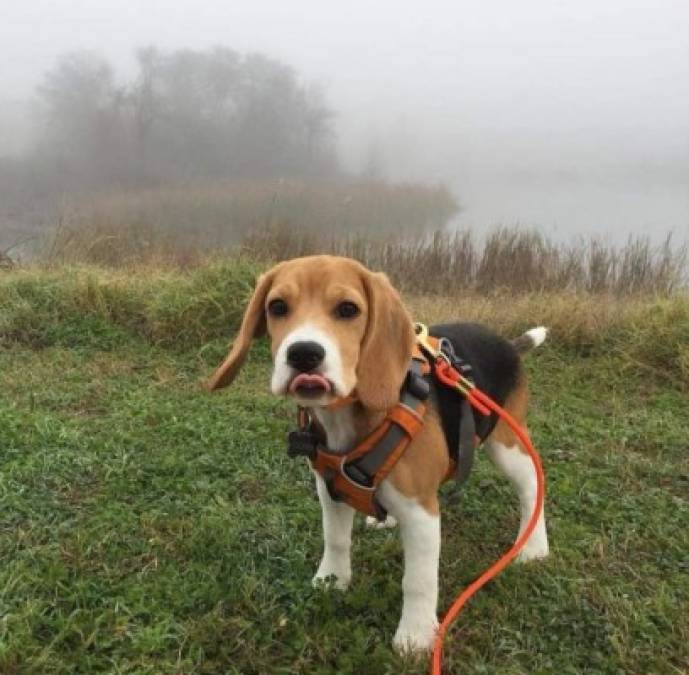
(340, 332)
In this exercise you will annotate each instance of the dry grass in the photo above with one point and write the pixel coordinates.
(187, 222)
(6, 263)
(507, 260)
(649, 333)
(400, 229)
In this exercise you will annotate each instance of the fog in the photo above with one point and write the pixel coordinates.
(569, 116)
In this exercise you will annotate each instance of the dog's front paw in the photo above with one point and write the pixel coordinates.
(536, 548)
(328, 581)
(328, 577)
(418, 637)
(536, 551)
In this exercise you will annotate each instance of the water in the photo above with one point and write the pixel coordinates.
(565, 210)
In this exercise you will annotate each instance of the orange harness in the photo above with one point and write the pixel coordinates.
(354, 476)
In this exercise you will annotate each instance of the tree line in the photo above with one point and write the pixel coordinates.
(181, 115)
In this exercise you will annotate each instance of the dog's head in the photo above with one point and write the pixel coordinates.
(335, 328)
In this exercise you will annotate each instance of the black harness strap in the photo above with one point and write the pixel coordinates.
(466, 441)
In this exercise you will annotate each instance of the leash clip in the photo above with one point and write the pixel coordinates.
(422, 339)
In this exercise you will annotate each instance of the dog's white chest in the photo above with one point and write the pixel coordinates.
(339, 427)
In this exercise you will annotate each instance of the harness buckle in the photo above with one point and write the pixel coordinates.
(302, 443)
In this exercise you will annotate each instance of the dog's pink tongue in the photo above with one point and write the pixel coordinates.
(309, 381)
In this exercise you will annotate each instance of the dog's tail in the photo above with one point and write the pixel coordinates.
(531, 339)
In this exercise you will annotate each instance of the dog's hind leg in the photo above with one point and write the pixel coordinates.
(337, 538)
(518, 468)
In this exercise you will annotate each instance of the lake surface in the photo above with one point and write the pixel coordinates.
(613, 211)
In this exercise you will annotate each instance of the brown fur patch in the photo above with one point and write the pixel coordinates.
(424, 465)
(516, 405)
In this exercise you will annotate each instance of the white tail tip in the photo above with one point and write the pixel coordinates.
(538, 335)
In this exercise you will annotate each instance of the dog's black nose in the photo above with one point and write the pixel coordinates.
(305, 356)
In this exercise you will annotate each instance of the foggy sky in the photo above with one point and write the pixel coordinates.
(573, 116)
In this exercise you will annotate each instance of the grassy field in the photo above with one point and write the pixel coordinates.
(147, 526)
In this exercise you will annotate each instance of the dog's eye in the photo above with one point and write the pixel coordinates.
(278, 308)
(346, 310)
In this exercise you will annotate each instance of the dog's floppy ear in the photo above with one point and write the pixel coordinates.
(387, 346)
(253, 325)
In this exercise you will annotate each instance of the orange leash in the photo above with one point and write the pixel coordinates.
(506, 559)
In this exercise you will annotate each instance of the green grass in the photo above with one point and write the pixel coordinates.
(83, 305)
(147, 526)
